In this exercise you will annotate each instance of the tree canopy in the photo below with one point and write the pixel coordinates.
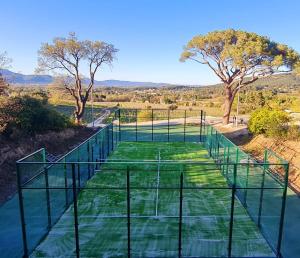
(239, 58)
(67, 55)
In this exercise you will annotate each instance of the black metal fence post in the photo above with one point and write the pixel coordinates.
(93, 165)
(184, 125)
(136, 124)
(128, 215)
(233, 190)
(48, 198)
(112, 136)
(152, 123)
(180, 217)
(22, 214)
(119, 124)
(224, 160)
(168, 125)
(282, 213)
(215, 145)
(100, 153)
(200, 133)
(262, 188)
(107, 139)
(227, 161)
(78, 175)
(66, 183)
(88, 155)
(103, 150)
(247, 181)
(75, 211)
(204, 124)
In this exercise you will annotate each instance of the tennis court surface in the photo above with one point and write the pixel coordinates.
(154, 171)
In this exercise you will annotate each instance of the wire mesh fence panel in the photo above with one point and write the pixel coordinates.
(159, 125)
(189, 193)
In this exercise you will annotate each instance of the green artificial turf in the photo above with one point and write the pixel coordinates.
(154, 222)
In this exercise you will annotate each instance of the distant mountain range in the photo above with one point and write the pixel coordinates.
(282, 81)
(22, 79)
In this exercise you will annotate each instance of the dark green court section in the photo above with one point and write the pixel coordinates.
(154, 211)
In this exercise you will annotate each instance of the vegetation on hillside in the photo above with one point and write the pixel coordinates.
(29, 115)
(277, 91)
(273, 123)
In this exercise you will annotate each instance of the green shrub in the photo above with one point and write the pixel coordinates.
(144, 115)
(30, 116)
(272, 123)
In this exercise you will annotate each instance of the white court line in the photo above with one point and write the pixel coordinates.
(157, 185)
(116, 216)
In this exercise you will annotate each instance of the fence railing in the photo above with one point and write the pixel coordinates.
(47, 191)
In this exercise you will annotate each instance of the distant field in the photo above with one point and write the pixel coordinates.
(68, 111)
(211, 111)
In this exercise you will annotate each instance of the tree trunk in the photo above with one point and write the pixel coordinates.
(79, 111)
(229, 97)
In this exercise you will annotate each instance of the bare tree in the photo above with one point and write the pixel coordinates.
(67, 55)
(4, 63)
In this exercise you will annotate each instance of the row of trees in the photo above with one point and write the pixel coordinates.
(238, 58)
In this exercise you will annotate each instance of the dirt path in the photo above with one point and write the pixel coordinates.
(99, 121)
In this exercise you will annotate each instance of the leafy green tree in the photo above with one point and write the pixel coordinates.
(68, 55)
(29, 115)
(271, 122)
(239, 58)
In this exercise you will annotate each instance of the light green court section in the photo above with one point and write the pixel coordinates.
(154, 198)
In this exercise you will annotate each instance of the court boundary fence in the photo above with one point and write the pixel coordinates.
(74, 169)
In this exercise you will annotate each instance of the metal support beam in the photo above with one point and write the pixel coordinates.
(78, 176)
(233, 190)
(66, 184)
(136, 125)
(261, 197)
(282, 213)
(247, 181)
(93, 165)
(119, 125)
(152, 123)
(200, 133)
(48, 198)
(180, 217)
(107, 139)
(168, 125)
(184, 125)
(89, 159)
(22, 214)
(75, 212)
(128, 215)
(112, 136)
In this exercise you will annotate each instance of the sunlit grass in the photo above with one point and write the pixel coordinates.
(102, 213)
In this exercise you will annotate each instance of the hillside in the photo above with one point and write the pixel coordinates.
(280, 82)
(40, 80)
(255, 145)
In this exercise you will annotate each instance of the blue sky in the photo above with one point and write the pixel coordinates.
(150, 34)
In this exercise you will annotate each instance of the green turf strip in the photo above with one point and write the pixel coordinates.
(102, 213)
